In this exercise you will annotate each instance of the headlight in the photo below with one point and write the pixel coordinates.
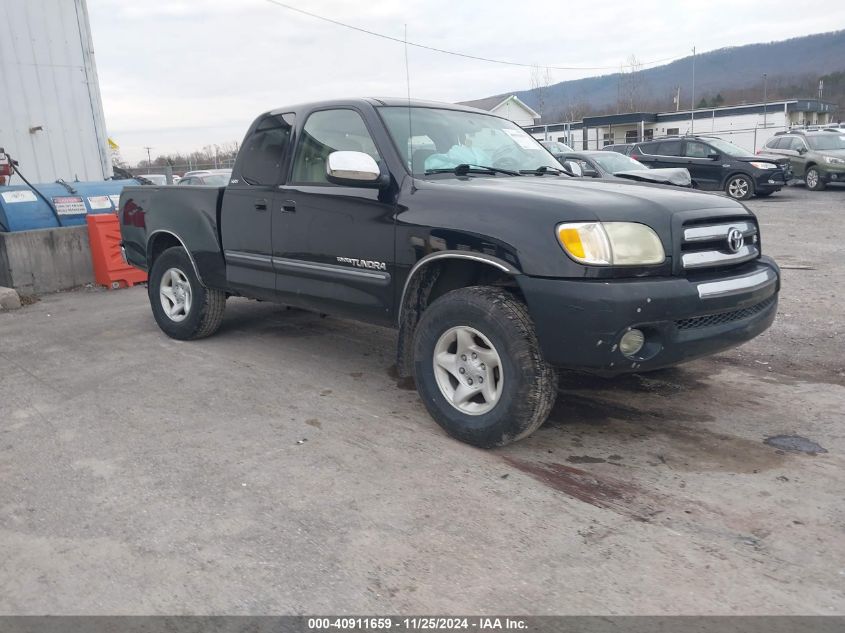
(611, 243)
(834, 161)
(764, 165)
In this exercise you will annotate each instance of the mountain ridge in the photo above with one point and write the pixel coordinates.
(734, 74)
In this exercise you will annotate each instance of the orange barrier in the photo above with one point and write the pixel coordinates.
(110, 269)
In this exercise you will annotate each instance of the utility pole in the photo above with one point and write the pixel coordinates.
(692, 97)
(765, 100)
(149, 160)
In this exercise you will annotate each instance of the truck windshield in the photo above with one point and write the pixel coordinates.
(434, 138)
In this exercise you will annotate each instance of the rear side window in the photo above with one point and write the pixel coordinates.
(779, 142)
(666, 148)
(263, 153)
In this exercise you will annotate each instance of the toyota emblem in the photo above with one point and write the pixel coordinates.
(735, 240)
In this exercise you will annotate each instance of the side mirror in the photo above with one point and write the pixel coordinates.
(713, 156)
(802, 150)
(573, 168)
(353, 169)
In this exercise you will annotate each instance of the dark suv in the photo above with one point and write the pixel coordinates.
(817, 157)
(716, 164)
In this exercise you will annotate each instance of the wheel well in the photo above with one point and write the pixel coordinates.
(432, 281)
(159, 243)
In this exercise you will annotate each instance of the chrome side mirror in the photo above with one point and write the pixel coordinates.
(573, 168)
(353, 169)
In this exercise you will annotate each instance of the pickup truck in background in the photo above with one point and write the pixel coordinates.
(458, 229)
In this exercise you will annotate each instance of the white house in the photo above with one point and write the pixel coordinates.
(510, 107)
(748, 126)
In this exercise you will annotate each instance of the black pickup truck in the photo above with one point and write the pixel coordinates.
(460, 230)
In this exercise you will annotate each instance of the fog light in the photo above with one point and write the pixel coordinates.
(631, 342)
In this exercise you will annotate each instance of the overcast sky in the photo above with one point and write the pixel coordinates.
(181, 74)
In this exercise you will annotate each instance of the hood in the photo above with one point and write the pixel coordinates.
(548, 200)
(769, 158)
(518, 214)
(668, 176)
(836, 153)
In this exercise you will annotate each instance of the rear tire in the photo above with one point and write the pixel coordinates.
(813, 180)
(183, 308)
(477, 334)
(739, 187)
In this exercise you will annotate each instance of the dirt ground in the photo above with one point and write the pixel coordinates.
(280, 467)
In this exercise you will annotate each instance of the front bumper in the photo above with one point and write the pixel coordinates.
(770, 180)
(831, 172)
(579, 322)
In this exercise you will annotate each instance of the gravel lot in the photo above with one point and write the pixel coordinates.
(280, 467)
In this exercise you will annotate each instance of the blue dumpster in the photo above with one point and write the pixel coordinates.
(22, 209)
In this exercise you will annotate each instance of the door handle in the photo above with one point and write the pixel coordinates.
(289, 206)
(261, 204)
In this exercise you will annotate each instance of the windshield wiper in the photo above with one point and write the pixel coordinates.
(544, 169)
(464, 168)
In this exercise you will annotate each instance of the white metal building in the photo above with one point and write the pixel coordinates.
(748, 126)
(510, 107)
(51, 113)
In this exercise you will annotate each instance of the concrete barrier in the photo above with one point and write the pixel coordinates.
(45, 260)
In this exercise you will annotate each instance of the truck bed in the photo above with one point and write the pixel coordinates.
(189, 214)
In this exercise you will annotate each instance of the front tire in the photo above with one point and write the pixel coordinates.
(739, 187)
(478, 367)
(813, 179)
(183, 308)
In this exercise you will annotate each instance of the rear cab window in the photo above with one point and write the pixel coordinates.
(264, 152)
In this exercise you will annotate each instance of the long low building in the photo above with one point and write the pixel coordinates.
(748, 126)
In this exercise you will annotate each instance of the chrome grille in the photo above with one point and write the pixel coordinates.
(707, 245)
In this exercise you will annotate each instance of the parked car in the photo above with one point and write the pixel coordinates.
(619, 148)
(600, 164)
(816, 157)
(209, 178)
(495, 266)
(716, 164)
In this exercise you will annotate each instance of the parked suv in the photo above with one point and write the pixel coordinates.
(716, 164)
(817, 157)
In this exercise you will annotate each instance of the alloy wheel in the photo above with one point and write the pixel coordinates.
(175, 294)
(468, 370)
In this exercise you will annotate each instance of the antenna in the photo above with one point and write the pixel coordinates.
(410, 129)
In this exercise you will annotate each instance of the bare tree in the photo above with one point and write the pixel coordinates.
(631, 87)
(541, 79)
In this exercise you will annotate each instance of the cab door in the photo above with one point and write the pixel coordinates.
(706, 172)
(246, 222)
(333, 245)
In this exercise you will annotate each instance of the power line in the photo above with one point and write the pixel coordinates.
(455, 53)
